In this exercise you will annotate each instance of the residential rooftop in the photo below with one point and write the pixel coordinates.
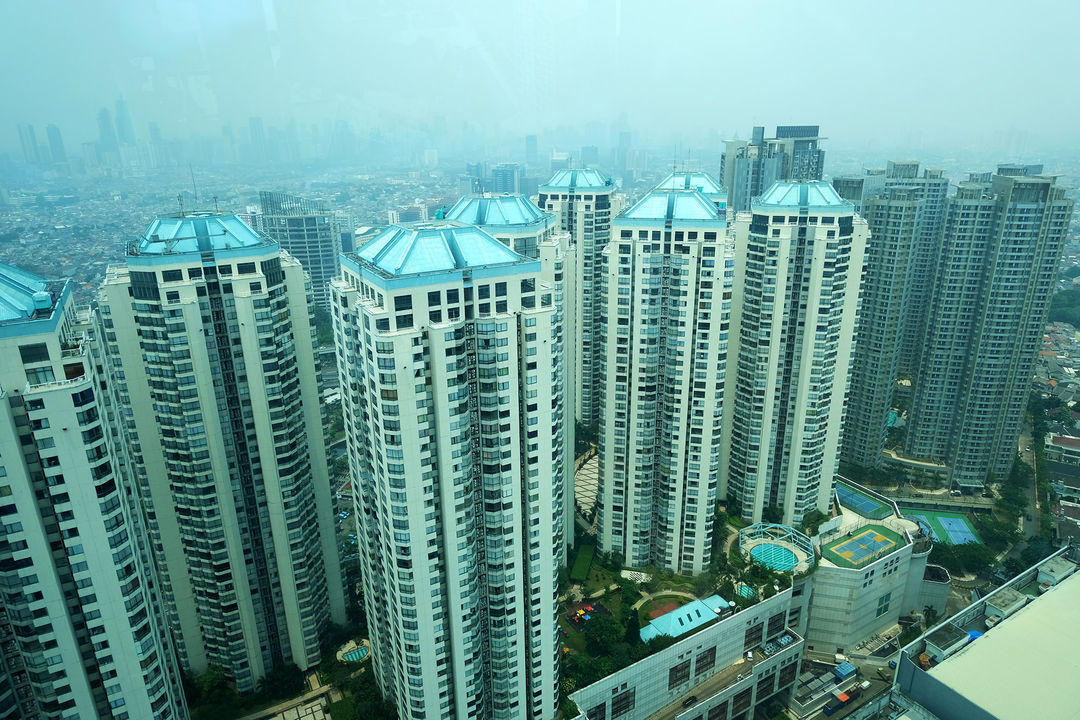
(676, 206)
(814, 195)
(685, 619)
(499, 211)
(578, 181)
(700, 181)
(420, 248)
(197, 233)
(25, 296)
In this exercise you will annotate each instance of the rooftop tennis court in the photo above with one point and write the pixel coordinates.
(861, 503)
(947, 527)
(865, 545)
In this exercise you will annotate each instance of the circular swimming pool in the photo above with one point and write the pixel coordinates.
(774, 557)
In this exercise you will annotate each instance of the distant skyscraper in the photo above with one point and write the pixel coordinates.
(107, 142)
(450, 348)
(125, 129)
(894, 217)
(1001, 243)
(590, 156)
(56, 144)
(28, 143)
(932, 188)
(209, 337)
(81, 627)
(532, 154)
(796, 294)
(667, 288)
(257, 134)
(504, 178)
(309, 232)
(751, 167)
(585, 202)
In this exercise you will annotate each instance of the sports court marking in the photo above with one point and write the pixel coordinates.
(948, 527)
(862, 546)
(866, 506)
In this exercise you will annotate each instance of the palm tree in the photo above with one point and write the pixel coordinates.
(929, 615)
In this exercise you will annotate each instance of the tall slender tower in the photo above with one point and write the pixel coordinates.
(208, 331)
(1001, 242)
(895, 217)
(80, 621)
(585, 201)
(450, 349)
(667, 295)
(798, 269)
(524, 228)
(308, 231)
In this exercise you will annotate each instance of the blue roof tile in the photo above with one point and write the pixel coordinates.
(816, 195)
(23, 293)
(489, 210)
(197, 232)
(684, 619)
(434, 247)
(676, 205)
(703, 182)
(587, 179)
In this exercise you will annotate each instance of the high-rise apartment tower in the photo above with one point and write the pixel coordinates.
(309, 232)
(450, 349)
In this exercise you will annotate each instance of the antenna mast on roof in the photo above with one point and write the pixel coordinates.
(194, 188)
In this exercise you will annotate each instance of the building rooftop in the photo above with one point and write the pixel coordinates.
(578, 180)
(675, 205)
(488, 210)
(1027, 664)
(196, 233)
(434, 247)
(684, 619)
(22, 294)
(703, 182)
(816, 195)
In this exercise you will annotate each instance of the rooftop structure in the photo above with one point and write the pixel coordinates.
(506, 209)
(578, 181)
(814, 195)
(1024, 665)
(25, 296)
(400, 251)
(778, 547)
(195, 233)
(704, 183)
(685, 619)
(685, 207)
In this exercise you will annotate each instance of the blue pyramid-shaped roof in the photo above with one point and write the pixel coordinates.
(434, 247)
(816, 195)
(674, 205)
(198, 232)
(487, 210)
(23, 293)
(587, 179)
(703, 182)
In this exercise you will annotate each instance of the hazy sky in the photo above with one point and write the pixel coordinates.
(867, 72)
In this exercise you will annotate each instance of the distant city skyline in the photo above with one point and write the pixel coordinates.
(483, 67)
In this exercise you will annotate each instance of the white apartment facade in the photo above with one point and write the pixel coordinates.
(80, 622)
(451, 349)
(799, 264)
(208, 337)
(667, 297)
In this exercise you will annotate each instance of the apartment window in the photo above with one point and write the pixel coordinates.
(623, 703)
(38, 352)
(678, 674)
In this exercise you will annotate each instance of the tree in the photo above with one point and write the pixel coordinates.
(812, 521)
(601, 632)
(632, 636)
(772, 514)
(929, 615)
(727, 589)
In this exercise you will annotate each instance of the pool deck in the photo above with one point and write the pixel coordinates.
(353, 645)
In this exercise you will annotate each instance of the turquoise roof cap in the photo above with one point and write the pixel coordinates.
(674, 205)
(587, 179)
(684, 619)
(487, 210)
(434, 247)
(703, 182)
(816, 195)
(197, 233)
(23, 294)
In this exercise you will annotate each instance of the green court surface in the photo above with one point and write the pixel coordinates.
(948, 527)
(862, 546)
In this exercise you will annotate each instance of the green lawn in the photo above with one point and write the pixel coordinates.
(582, 563)
(658, 601)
